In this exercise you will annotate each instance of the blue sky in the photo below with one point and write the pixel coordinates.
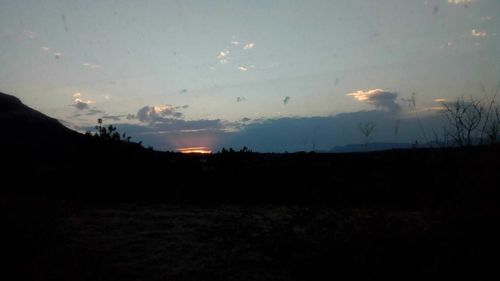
(207, 73)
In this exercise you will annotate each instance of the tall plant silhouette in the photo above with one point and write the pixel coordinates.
(367, 128)
(464, 118)
(108, 133)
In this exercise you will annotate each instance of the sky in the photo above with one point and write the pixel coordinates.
(270, 75)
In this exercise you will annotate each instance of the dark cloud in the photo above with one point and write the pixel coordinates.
(176, 125)
(183, 91)
(286, 100)
(379, 98)
(240, 99)
(324, 133)
(159, 113)
(113, 117)
(245, 119)
(94, 111)
(81, 105)
(283, 134)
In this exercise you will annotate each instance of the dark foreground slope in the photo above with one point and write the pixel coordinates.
(23, 126)
(88, 209)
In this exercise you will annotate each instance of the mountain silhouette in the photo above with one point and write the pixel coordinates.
(24, 126)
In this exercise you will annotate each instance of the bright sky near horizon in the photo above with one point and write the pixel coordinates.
(182, 68)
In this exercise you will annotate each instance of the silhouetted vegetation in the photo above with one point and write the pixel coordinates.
(103, 207)
(108, 133)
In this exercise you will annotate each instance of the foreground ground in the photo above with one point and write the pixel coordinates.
(144, 241)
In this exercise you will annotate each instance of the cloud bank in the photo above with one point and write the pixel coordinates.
(282, 134)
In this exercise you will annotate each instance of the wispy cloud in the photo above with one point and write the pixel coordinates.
(94, 111)
(458, 2)
(379, 98)
(115, 118)
(91, 65)
(31, 34)
(440, 100)
(44, 48)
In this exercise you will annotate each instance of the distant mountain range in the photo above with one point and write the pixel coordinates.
(375, 146)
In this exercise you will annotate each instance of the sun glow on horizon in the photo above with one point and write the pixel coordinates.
(200, 149)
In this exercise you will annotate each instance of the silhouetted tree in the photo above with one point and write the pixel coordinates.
(366, 129)
(464, 118)
(108, 133)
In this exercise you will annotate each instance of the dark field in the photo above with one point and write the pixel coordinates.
(411, 215)
(174, 242)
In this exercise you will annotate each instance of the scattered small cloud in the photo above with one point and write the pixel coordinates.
(80, 104)
(286, 100)
(222, 57)
(235, 43)
(94, 111)
(223, 54)
(486, 18)
(242, 68)
(378, 98)
(248, 46)
(57, 55)
(240, 99)
(477, 33)
(45, 49)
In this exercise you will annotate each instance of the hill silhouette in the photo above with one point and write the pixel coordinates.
(22, 125)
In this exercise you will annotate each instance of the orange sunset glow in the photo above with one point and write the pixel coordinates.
(200, 149)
